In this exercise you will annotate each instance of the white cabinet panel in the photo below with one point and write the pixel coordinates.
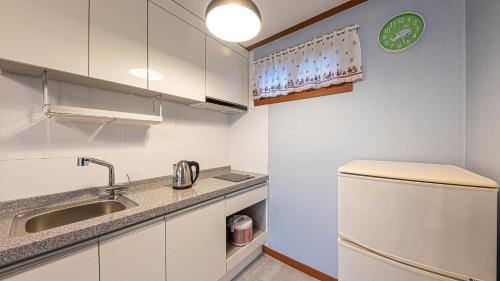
(237, 203)
(227, 74)
(196, 244)
(197, 7)
(50, 33)
(79, 266)
(138, 255)
(118, 40)
(177, 52)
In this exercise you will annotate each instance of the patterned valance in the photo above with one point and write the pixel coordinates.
(333, 58)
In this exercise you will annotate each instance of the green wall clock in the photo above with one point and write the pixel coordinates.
(401, 32)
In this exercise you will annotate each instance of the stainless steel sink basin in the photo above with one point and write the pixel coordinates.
(43, 219)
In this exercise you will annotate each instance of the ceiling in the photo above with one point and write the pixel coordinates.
(277, 15)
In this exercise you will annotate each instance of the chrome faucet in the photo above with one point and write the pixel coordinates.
(112, 188)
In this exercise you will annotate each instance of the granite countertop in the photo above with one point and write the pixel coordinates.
(155, 197)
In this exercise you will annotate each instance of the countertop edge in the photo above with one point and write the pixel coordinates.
(16, 255)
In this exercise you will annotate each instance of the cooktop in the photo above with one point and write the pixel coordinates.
(233, 177)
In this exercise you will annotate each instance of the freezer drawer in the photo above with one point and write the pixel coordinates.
(443, 228)
(356, 264)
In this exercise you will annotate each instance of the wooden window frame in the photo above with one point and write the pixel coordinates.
(331, 90)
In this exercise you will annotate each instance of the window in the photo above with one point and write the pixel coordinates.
(326, 62)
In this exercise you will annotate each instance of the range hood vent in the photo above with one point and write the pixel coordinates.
(220, 106)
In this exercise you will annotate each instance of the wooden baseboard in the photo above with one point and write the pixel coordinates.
(298, 265)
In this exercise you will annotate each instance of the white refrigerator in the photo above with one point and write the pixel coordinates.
(415, 222)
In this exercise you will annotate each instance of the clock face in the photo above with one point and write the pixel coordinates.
(401, 32)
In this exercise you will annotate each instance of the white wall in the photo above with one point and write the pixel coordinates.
(38, 155)
(409, 107)
(249, 140)
(248, 136)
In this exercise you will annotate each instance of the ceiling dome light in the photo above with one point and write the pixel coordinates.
(233, 20)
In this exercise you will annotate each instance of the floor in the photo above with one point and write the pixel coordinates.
(265, 268)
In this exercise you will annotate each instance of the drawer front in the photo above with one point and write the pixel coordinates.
(377, 268)
(241, 201)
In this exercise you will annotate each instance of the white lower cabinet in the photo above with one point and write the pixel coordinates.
(137, 255)
(196, 244)
(82, 265)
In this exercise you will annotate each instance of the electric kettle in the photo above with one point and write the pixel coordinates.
(183, 176)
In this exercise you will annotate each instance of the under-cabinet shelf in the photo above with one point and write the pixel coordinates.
(98, 115)
(236, 254)
(72, 113)
(251, 203)
(232, 250)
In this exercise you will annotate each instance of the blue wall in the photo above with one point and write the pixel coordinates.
(410, 107)
(483, 98)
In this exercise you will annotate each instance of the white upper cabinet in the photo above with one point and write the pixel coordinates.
(138, 255)
(227, 74)
(196, 244)
(177, 54)
(197, 7)
(79, 266)
(49, 33)
(118, 41)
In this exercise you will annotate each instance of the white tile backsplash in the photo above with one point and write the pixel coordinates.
(158, 138)
(71, 139)
(68, 94)
(38, 155)
(21, 178)
(158, 164)
(20, 95)
(23, 136)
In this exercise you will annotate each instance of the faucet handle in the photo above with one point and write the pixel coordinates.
(115, 189)
(82, 161)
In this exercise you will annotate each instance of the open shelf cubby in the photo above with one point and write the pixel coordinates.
(258, 213)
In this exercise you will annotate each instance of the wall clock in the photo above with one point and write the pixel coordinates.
(401, 32)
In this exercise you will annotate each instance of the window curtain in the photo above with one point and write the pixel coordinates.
(333, 58)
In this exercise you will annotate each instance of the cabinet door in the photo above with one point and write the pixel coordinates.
(138, 255)
(50, 33)
(79, 266)
(227, 74)
(196, 244)
(118, 41)
(177, 53)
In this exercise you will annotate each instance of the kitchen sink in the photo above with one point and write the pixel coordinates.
(43, 219)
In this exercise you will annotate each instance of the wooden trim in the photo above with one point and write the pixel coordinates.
(308, 22)
(334, 89)
(298, 265)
